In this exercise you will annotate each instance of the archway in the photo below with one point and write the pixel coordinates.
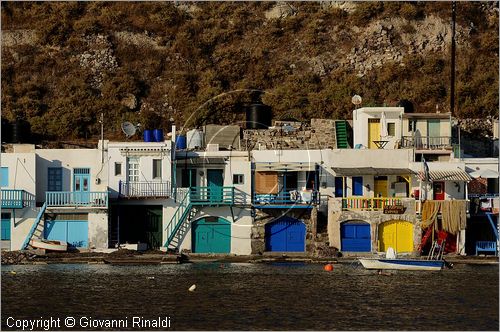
(397, 234)
(355, 236)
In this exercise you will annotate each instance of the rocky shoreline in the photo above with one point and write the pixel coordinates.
(130, 257)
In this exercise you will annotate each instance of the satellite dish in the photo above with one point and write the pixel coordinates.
(356, 99)
(128, 128)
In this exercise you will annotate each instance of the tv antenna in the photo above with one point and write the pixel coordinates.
(129, 129)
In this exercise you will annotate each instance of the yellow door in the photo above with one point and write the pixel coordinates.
(373, 132)
(397, 234)
(380, 188)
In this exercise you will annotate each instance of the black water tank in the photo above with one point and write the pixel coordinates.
(407, 105)
(258, 116)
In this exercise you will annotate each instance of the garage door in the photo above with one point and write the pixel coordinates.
(75, 232)
(355, 237)
(212, 235)
(285, 234)
(397, 234)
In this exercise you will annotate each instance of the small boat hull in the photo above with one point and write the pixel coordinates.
(401, 264)
(49, 245)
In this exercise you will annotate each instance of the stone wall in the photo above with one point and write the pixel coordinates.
(319, 134)
(336, 217)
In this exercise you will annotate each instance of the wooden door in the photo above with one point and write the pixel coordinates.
(373, 132)
(380, 187)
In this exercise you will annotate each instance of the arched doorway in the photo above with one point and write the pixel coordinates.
(355, 236)
(211, 235)
(397, 234)
(286, 234)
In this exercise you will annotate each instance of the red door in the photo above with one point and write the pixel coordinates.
(438, 190)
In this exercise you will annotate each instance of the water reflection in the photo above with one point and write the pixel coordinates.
(258, 296)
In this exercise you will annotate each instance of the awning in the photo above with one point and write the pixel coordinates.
(447, 175)
(200, 161)
(344, 171)
(485, 174)
(284, 167)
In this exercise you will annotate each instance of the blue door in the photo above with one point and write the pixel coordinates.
(6, 226)
(355, 237)
(357, 186)
(211, 235)
(75, 232)
(81, 185)
(214, 183)
(285, 234)
(339, 184)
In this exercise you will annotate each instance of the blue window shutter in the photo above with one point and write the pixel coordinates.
(357, 186)
(4, 177)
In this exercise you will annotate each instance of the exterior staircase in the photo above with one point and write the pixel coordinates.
(341, 132)
(180, 216)
(192, 199)
(37, 228)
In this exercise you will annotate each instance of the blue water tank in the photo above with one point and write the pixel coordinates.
(180, 142)
(158, 135)
(148, 135)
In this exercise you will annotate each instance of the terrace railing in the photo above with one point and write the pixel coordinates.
(16, 199)
(293, 197)
(94, 199)
(369, 203)
(145, 189)
(427, 142)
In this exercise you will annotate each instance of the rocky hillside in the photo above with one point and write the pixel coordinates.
(65, 62)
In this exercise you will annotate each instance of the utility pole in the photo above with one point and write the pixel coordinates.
(102, 137)
(452, 87)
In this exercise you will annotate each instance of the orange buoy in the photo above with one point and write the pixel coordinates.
(328, 267)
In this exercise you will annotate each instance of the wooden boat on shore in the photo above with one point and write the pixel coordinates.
(433, 262)
(49, 245)
(401, 264)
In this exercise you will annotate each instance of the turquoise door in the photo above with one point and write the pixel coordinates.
(81, 185)
(211, 235)
(75, 232)
(6, 226)
(214, 184)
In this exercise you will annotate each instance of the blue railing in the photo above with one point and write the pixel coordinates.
(98, 199)
(14, 199)
(145, 189)
(294, 197)
(211, 195)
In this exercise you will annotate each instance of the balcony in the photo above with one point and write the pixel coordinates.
(90, 199)
(211, 196)
(427, 143)
(290, 199)
(16, 199)
(369, 203)
(145, 189)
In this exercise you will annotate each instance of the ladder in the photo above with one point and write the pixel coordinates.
(437, 250)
